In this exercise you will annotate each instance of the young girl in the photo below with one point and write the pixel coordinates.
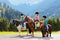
(36, 17)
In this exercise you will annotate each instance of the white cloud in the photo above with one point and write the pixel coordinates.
(29, 2)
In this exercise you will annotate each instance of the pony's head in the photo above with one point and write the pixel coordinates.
(15, 22)
(29, 19)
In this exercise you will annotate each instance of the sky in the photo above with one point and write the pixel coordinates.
(29, 7)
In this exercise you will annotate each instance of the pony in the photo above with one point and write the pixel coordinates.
(43, 30)
(17, 23)
(30, 22)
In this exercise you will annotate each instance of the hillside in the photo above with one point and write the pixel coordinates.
(8, 12)
(53, 11)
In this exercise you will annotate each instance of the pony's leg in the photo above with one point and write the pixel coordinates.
(43, 34)
(27, 32)
(32, 31)
(46, 34)
(32, 34)
(19, 29)
(50, 33)
(27, 28)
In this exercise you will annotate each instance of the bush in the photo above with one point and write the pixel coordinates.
(12, 27)
(7, 26)
(55, 23)
(3, 24)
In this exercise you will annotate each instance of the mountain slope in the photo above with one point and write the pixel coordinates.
(50, 8)
(53, 11)
(8, 12)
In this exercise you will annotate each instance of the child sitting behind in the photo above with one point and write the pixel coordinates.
(41, 23)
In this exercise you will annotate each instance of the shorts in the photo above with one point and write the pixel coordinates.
(36, 20)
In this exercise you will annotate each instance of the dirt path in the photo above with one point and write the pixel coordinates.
(24, 37)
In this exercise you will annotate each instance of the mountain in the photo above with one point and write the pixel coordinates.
(53, 11)
(50, 8)
(8, 12)
(12, 14)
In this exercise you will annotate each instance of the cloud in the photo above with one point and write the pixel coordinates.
(29, 2)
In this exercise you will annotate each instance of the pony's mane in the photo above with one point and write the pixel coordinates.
(29, 18)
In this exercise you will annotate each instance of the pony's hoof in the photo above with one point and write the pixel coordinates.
(43, 36)
(32, 36)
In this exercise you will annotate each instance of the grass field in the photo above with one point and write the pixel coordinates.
(38, 32)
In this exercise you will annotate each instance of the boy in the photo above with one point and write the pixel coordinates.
(22, 20)
(45, 22)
